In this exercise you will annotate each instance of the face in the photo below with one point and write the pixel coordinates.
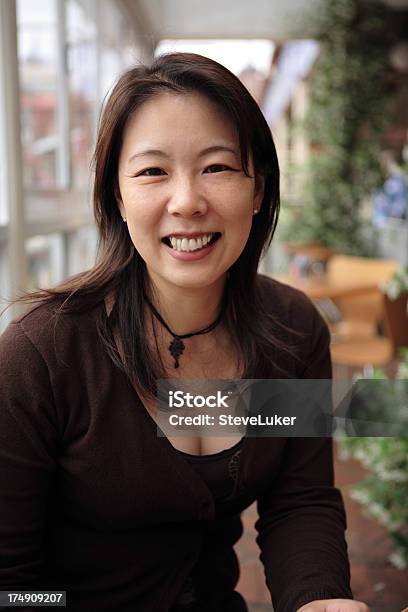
(188, 204)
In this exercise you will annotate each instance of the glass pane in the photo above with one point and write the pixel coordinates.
(37, 48)
(46, 260)
(4, 213)
(118, 47)
(82, 70)
(5, 292)
(4, 216)
(81, 249)
(3, 208)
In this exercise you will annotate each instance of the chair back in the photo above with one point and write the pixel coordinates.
(396, 321)
(363, 311)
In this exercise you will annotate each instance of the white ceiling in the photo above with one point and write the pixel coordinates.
(272, 19)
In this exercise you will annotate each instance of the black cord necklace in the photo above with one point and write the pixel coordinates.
(177, 346)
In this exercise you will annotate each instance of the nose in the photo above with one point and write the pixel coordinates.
(185, 198)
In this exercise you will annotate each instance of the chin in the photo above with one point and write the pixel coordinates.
(195, 280)
(195, 283)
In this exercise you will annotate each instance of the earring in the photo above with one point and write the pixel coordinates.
(124, 219)
(256, 211)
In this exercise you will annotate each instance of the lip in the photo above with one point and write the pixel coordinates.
(191, 255)
(189, 234)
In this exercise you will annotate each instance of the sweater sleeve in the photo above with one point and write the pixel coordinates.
(27, 459)
(301, 517)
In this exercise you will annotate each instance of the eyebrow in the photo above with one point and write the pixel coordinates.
(207, 151)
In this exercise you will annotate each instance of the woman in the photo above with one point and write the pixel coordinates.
(186, 198)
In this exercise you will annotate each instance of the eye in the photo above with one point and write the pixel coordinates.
(151, 172)
(217, 168)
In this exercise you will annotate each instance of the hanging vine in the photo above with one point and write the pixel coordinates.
(345, 124)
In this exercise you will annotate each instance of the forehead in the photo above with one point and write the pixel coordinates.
(187, 117)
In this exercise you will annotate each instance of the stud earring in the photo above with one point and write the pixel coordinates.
(256, 211)
(124, 219)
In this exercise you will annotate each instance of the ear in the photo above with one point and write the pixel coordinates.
(259, 191)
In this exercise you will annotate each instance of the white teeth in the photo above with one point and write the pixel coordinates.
(190, 244)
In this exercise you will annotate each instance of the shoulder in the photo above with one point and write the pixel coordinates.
(23, 332)
(297, 324)
(45, 332)
(288, 305)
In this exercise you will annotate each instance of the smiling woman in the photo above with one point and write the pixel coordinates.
(186, 198)
(180, 189)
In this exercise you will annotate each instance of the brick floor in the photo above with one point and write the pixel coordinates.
(374, 580)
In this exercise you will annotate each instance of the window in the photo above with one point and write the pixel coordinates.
(69, 54)
(117, 47)
(81, 246)
(45, 260)
(83, 86)
(37, 45)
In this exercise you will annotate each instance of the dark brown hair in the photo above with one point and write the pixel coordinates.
(120, 270)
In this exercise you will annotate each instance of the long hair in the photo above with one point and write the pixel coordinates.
(119, 268)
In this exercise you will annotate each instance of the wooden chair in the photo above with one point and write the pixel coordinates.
(375, 351)
(361, 313)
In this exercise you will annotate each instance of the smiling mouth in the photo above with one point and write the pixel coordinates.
(189, 245)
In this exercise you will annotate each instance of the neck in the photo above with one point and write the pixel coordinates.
(187, 310)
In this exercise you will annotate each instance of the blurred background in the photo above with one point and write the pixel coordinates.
(331, 77)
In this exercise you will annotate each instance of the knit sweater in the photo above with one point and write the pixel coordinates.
(93, 502)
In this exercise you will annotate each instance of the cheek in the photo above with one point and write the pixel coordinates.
(142, 218)
(140, 225)
(141, 208)
(238, 207)
(238, 195)
(240, 215)
(133, 196)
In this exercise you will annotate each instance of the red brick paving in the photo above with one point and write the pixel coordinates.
(374, 580)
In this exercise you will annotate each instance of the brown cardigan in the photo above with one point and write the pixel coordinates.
(93, 502)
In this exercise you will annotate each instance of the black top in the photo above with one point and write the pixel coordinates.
(219, 471)
(94, 502)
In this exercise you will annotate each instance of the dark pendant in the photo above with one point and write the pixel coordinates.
(176, 347)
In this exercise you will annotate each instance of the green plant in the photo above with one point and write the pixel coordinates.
(346, 120)
(397, 285)
(384, 493)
